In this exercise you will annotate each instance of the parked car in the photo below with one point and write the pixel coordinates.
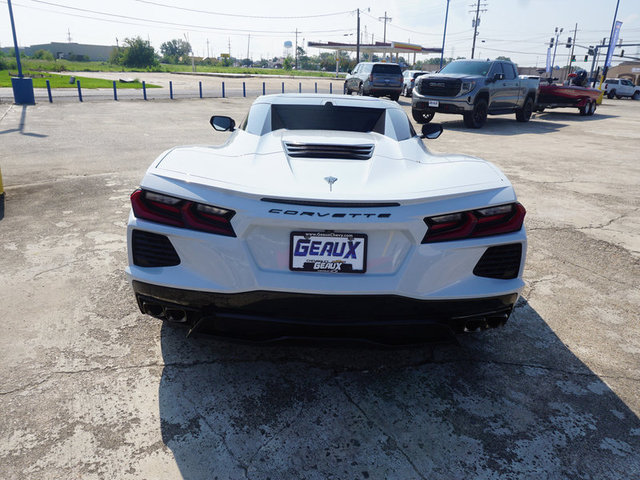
(409, 79)
(325, 213)
(376, 79)
(475, 89)
(621, 87)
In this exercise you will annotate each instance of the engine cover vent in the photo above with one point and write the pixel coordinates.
(324, 150)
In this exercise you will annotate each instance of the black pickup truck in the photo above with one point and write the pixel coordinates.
(475, 89)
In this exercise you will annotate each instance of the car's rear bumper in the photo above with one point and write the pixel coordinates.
(271, 315)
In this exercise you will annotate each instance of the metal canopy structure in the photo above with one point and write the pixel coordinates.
(377, 47)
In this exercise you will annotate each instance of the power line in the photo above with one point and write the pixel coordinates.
(181, 25)
(209, 12)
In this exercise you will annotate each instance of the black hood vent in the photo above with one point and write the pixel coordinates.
(325, 150)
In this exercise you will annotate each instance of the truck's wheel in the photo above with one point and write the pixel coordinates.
(478, 116)
(395, 97)
(524, 114)
(346, 89)
(636, 95)
(422, 116)
(611, 94)
(361, 90)
(584, 109)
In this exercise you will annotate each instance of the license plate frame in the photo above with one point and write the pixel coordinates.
(306, 260)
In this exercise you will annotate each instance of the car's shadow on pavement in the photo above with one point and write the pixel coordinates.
(513, 402)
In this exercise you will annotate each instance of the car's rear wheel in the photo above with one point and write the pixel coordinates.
(422, 116)
(478, 116)
(611, 94)
(395, 97)
(524, 114)
(636, 95)
(361, 90)
(618, 97)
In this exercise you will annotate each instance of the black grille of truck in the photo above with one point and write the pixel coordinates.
(500, 262)
(439, 87)
(152, 250)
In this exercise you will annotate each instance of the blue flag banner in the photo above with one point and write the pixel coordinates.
(612, 43)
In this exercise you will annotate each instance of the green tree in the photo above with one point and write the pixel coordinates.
(138, 53)
(43, 55)
(506, 59)
(288, 63)
(175, 50)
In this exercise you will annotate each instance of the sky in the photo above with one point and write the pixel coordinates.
(518, 29)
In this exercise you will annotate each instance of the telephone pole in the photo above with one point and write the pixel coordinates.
(385, 18)
(476, 22)
(296, 49)
(357, 39)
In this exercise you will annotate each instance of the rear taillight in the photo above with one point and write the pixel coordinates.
(178, 212)
(474, 223)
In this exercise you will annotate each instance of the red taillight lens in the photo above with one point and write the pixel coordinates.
(474, 223)
(182, 213)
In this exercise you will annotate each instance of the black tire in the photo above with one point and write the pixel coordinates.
(586, 109)
(540, 109)
(618, 97)
(422, 116)
(611, 94)
(524, 114)
(478, 116)
(592, 110)
(346, 90)
(409, 92)
(361, 90)
(395, 97)
(636, 95)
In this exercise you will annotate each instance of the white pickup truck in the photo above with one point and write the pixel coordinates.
(621, 87)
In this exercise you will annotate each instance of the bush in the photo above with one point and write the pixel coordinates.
(43, 55)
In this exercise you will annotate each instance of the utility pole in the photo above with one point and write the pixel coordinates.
(385, 18)
(573, 45)
(296, 49)
(444, 35)
(248, 43)
(208, 56)
(555, 49)
(358, 38)
(476, 22)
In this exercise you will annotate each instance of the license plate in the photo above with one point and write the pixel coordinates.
(434, 103)
(328, 252)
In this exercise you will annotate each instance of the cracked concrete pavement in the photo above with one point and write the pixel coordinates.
(92, 389)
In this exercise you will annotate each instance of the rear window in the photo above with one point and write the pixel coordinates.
(327, 117)
(387, 69)
(611, 81)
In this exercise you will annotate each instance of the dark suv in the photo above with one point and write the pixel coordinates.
(376, 79)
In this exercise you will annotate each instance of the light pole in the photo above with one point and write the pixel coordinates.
(555, 48)
(444, 35)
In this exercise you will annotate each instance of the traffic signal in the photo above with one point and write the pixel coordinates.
(551, 43)
(622, 53)
(569, 42)
(586, 58)
(573, 58)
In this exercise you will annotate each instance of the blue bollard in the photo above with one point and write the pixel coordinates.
(282, 87)
(115, 91)
(49, 91)
(79, 90)
(316, 87)
(263, 89)
(222, 89)
(299, 87)
(144, 90)
(171, 90)
(200, 86)
(331, 88)
(244, 89)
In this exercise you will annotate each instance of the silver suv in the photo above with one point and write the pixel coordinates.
(376, 79)
(620, 87)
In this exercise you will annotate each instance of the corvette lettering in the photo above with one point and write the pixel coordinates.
(279, 211)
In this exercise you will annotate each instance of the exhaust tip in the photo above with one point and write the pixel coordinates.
(175, 315)
(153, 309)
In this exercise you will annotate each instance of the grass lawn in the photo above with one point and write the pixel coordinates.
(65, 65)
(62, 81)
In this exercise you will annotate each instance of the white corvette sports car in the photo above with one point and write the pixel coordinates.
(325, 215)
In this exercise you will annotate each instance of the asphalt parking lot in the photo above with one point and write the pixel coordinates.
(92, 389)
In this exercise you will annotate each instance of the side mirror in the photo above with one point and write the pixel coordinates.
(498, 76)
(431, 131)
(222, 123)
